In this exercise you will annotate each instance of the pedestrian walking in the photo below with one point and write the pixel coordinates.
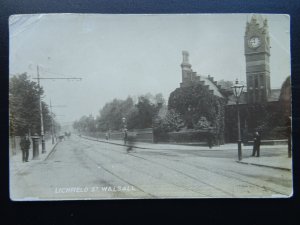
(25, 145)
(130, 142)
(256, 144)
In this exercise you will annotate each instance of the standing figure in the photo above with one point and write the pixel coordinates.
(125, 136)
(210, 140)
(25, 145)
(256, 144)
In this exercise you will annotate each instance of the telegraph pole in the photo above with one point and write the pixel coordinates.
(41, 113)
(40, 102)
(52, 121)
(52, 132)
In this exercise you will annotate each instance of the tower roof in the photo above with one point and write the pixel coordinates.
(257, 19)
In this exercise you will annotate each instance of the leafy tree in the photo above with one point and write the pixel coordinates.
(195, 102)
(285, 98)
(112, 113)
(166, 121)
(85, 123)
(172, 121)
(139, 115)
(202, 123)
(24, 108)
(225, 84)
(146, 112)
(225, 89)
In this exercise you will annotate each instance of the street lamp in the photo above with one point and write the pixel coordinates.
(52, 126)
(124, 123)
(237, 91)
(124, 129)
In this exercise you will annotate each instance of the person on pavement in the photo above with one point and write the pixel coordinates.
(125, 136)
(256, 144)
(25, 145)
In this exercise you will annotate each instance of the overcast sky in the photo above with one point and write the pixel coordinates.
(122, 55)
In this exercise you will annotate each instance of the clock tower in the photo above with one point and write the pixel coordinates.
(257, 53)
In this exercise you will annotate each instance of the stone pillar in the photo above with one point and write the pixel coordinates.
(35, 146)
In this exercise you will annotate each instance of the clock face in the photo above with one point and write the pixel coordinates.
(254, 42)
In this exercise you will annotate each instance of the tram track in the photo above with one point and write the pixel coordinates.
(233, 175)
(114, 174)
(178, 171)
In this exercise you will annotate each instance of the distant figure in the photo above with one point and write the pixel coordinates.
(256, 144)
(61, 137)
(125, 136)
(68, 134)
(106, 136)
(210, 141)
(25, 145)
(130, 142)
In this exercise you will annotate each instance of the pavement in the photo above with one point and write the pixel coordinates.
(279, 160)
(16, 164)
(276, 162)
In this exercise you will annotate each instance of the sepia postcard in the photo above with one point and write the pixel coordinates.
(107, 106)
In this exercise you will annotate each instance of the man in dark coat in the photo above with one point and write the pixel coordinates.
(256, 145)
(25, 145)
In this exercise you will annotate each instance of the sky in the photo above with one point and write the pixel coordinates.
(130, 55)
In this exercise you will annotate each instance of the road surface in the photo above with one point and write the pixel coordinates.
(85, 169)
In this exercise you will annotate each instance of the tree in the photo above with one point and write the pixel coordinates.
(165, 122)
(285, 97)
(112, 113)
(197, 101)
(202, 123)
(146, 111)
(172, 121)
(24, 108)
(225, 84)
(226, 88)
(139, 115)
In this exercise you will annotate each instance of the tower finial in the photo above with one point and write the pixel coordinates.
(185, 55)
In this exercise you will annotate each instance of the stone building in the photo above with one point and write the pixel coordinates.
(260, 105)
(189, 77)
(260, 108)
(200, 103)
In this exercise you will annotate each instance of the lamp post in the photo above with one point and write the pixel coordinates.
(124, 123)
(237, 91)
(52, 126)
(124, 129)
